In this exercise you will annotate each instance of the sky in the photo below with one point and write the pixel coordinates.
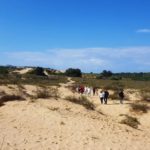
(92, 35)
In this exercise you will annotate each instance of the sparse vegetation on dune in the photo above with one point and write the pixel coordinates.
(145, 95)
(131, 121)
(47, 92)
(139, 108)
(82, 100)
(31, 79)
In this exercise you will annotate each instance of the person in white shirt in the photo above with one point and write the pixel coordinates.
(101, 96)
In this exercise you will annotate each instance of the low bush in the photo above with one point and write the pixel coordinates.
(47, 93)
(73, 72)
(39, 71)
(82, 100)
(131, 121)
(139, 108)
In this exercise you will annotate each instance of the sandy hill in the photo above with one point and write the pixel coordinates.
(50, 124)
(23, 70)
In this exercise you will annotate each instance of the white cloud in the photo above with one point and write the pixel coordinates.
(87, 59)
(143, 30)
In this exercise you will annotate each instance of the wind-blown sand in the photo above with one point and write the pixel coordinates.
(61, 125)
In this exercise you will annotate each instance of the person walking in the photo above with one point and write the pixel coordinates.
(121, 96)
(101, 96)
(106, 95)
(94, 90)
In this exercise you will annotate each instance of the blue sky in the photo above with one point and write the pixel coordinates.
(88, 34)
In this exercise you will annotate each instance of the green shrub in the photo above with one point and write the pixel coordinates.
(73, 72)
(39, 71)
(3, 70)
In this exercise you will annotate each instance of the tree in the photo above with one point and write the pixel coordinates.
(73, 72)
(106, 73)
(3, 70)
(39, 71)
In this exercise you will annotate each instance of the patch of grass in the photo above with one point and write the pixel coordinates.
(139, 108)
(47, 93)
(31, 79)
(42, 93)
(131, 121)
(114, 86)
(145, 95)
(82, 100)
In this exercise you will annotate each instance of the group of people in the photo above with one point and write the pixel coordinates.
(90, 91)
(103, 94)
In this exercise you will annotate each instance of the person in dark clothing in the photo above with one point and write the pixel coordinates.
(94, 90)
(106, 95)
(121, 96)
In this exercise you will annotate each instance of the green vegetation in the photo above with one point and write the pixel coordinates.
(32, 79)
(106, 79)
(3, 70)
(39, 71)
(111, 84)
(119, 76)
(73, 72)
(82, 100)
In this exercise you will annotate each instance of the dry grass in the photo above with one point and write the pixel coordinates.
(139, 108)
(145, 96)
(114, 96)
(110, 84)
(82, 100)
(53, 108)
(131, 121)
(47, 93)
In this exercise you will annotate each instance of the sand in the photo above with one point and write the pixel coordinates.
(23, 71)
(49, 124)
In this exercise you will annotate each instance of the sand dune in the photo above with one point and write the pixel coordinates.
(49, 124)
(23, 71)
